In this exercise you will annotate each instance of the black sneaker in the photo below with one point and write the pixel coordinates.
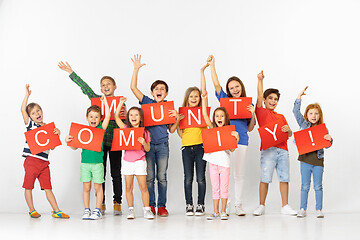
(189, 210)
(200, 210)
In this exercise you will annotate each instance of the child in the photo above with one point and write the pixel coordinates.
(159, 145)
(193, 152)
(134, 160)
(108, 87)
(274, 157)
(37, 166)
(236, 88)
(219, 162)
(91, 168)
(312, 162)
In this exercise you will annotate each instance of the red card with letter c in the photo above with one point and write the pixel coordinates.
(86, 137)
(113, 103)
(237, 107)
(127, 138)
(158, 113)
(218, 139)
(271, 134)
(311, 139)
(192, 117)
(42, 138)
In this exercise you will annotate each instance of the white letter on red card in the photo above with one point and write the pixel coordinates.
(91, 136)
(131, 137)
(37, 140)
(272, 133)
(162, 113)
(235, 104)
(198, 120)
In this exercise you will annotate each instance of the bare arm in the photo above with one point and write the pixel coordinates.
(204, 106)
(144, 143)
(118, 120)
(251, 125)
(69, 139)
(173, 127)
(236, 135)
(203, 81)
(260, 89)
(178, 130)
(137, 65)
(106, 121)
(214, 77)
(24, 103)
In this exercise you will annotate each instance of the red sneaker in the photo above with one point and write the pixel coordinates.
(162, 212)
(153, 210)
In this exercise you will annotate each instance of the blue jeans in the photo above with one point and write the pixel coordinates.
(157, 156)
(317, 171)
(193, 155)
(271, 159)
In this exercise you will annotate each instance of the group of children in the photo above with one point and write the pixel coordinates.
(151, 161)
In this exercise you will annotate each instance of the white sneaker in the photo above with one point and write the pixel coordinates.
(96, 214)
(301, 213)
(87, 214)
(148, 214)
(239, 210)
(131, 213)
(287, 210)
(260, 210)
(224, 216)
(319, 214)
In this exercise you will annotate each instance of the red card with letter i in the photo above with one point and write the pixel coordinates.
(192, 117)
(127, 138)
(86, 137)
(237, 107)
(218, 139)
(42, 138)
(311, 139)
(158, 113)
(271, 134)
(113, 102)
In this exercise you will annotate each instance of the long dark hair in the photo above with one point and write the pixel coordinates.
(141, 112)
(233, 78)
(227, 119)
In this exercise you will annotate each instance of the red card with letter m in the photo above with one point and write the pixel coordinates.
(86, 137)
(113, 103)
(218, 139)
(42, 138)
(237, 107)
(127, 138)
(271, 134)
(158, 113)
(192, 117)
(311, 139)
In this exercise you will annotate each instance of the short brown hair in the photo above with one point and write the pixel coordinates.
(227, 118)
(30, 107)
(233, 78)
(93, 108)
(317, 106)
(270, 91)
(187, 94)
(108, 77)
(157, 82)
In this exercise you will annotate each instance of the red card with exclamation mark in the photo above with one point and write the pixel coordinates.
(311, 139)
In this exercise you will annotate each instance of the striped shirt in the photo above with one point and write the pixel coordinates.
(26, 152)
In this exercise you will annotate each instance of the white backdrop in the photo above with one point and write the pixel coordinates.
(296, 43)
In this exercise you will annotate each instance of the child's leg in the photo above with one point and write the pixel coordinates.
(215, 185)
(29, 199)
(188, 164)
(282, 169)
(239, 156)
(284, 192)
(263, 190)
(129, 182)
(99, 194)
(318, 176)
(143, 188)
(86, 194)
(268, 163)
(224, 186)
(223, 204)
(200, 165)
(305, 170)
(51, 198)
(216, 205)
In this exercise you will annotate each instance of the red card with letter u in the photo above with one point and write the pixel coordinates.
(218, 139)
(237, 107)
(86, 137)
(127, 138)
(271, 134)
(311, 139)
(158, 113)
(192, 117)
(113, 103)
(42, 138)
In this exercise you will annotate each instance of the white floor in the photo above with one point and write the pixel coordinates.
(179, 226)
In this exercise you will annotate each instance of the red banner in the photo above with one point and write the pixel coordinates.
(127, 138)
(158, 113)
(237, 107)
(218, 139)
(271, 134)
(311, 139)
(192, 117)
(113, 103)
(42, 138)
(86, 137)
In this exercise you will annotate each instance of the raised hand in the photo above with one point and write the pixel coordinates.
(28, 91)
(302, 93)
(137, 61)
(122, 100)
(205, 66)
(261, 76)
(204, 94)
(211, 60)
(66, 67)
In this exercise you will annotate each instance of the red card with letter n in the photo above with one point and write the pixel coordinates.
(42, 138)
(127, 138)
(218, 139)
(237, 107)
(158, 113)
(192, 117)
(86, 137)
(113, 103)
(311, 139)
(271, 134)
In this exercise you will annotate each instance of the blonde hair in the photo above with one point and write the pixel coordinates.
(316, 106)
(187, 95)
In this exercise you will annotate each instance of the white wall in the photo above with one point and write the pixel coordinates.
(296, 43)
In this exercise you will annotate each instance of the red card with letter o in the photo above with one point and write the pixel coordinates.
(192, 117)
(237, 107)
(86, 137)
(158, 113)
(113, 103)
(42, 138)
(271, 134)
(127, 138)
(311, 139)
(218, 139)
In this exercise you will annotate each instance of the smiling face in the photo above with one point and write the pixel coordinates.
(93, 118)
(36, 114)
(219, 118)
(271, 101)
(134, 117)
(235, 89)
(194, 99)
(313, 116)
(159, 92)
(107, 87)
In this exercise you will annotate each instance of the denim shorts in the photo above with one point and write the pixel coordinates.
(274, 158)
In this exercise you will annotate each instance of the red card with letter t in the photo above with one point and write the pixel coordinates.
(113, 103)
(127, 138)
(42, 138)
(311, 139)
(218, 139)
(192, 117)
(271, 134)
(86, 137)
(158, 113)
(237, 107)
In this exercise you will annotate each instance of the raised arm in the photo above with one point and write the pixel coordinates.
(204, 112)
(214, 77)
(137, 65)
(260, 89)
(65, 67)
(296, 110)
(203, 81)
(24, 103)
(118, 120)
(106, 121)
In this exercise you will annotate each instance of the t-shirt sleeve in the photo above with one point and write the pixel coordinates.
(146, 100)
(221, 95)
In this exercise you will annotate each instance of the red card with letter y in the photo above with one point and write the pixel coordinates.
(271, 134)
